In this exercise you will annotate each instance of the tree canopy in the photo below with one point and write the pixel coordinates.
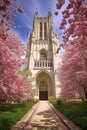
(73, 70)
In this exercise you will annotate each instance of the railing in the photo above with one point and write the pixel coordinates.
(43, 63)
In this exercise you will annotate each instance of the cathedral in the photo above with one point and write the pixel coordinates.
(43, 57)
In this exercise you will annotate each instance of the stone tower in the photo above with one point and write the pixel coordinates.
(42, 57)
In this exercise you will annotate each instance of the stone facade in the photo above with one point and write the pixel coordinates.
(42, 57)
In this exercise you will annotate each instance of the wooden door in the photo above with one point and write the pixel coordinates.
(43, 95)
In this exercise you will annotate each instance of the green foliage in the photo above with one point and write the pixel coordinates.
(73, 110)
(31, 79)
(25, 72)
(59, 102)
(10, 114)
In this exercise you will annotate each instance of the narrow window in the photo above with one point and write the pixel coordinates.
(40, 64)
(51, 64)
(45, 64)
(45, 31)
(40, 30)
(35, 64)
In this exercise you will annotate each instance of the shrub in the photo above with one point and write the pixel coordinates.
(59, 101)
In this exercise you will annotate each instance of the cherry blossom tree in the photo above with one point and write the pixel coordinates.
(13, 86)
(8, 10)
(72, 73)
(74, 18)
(73, 70)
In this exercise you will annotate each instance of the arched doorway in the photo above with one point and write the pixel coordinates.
(44, 84)
(43, 90)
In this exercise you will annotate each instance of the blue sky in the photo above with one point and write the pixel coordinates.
(24, 21)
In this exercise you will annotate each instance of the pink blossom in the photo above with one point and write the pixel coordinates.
(13, 86)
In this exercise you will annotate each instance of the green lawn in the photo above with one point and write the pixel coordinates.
(73, 110)
(10, 114)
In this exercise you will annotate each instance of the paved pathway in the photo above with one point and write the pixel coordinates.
(44, 118)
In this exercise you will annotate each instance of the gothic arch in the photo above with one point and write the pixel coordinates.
(45, 72)
(45, 83)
